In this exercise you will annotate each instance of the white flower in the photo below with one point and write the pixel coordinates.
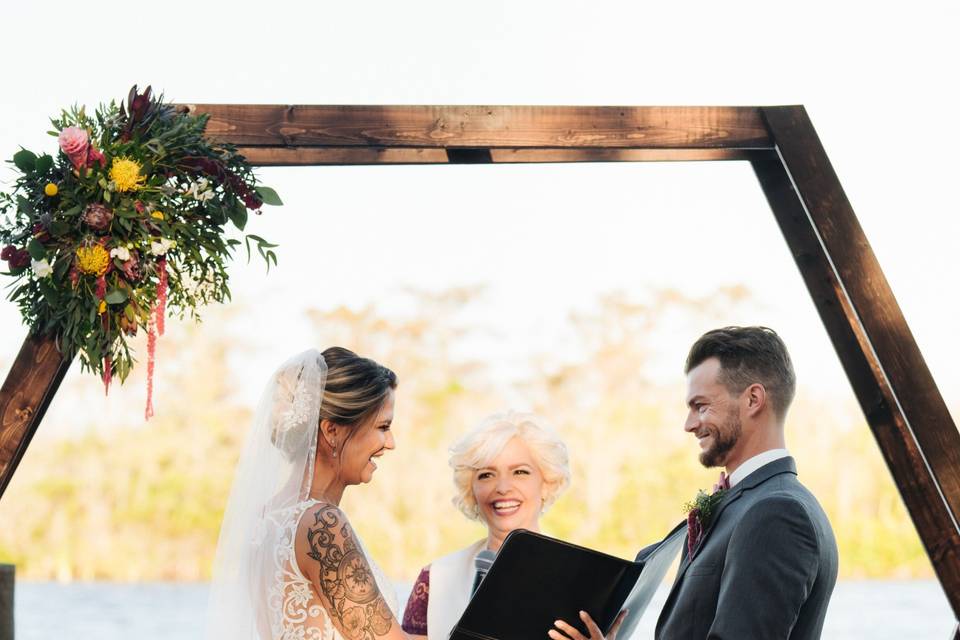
(41, 268)
(200, 190)
(160, 248)
(122, 253)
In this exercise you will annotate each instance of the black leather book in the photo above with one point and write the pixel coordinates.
(537, 579)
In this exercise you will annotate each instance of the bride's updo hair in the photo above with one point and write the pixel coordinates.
(356, 387)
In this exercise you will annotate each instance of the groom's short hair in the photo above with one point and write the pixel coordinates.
(749, 355)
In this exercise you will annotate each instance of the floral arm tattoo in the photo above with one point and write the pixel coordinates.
(346, 578)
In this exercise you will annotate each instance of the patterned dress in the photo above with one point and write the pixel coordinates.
(294, 611)
(415, 615)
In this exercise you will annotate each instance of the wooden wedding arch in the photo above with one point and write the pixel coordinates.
(901, 402)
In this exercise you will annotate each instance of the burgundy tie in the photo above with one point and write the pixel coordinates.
(723, 484)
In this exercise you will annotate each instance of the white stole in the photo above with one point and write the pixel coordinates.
(451, 581)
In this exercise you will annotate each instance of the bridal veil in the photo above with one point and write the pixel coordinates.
(273, 477)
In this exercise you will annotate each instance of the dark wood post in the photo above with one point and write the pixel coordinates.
(6, 601)
(893, 385)
(33, 380)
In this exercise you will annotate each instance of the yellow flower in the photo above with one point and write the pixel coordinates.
(103, 307)
(51, 189)
(125, 173)
(157, 214)
(93, 260)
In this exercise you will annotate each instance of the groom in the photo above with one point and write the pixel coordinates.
(761, 559)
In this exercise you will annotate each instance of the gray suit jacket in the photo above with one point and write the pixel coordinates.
(764, 569)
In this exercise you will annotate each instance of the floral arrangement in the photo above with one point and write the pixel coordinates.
(126, 223)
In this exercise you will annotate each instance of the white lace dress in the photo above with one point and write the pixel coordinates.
(293, 611)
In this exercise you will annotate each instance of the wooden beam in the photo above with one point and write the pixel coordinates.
(433, 127)
(308, 156)
(869, 333)
(33, 380)
(7, 583)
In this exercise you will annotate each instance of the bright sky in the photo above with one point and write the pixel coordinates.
(545, 239)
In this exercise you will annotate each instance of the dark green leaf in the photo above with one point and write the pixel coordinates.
(269, 196)
(263, 243)
(25, 160)
(44, 163)
(24, 205)
(60, 268)
(59, 228)
(37, 252)
(49, 293)
(116, 296)
(238, 215)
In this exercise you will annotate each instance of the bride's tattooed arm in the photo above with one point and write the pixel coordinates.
(345, 577)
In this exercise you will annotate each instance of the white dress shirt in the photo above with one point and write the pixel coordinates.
(754, 463)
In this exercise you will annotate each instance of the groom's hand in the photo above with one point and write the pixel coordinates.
(568, 632)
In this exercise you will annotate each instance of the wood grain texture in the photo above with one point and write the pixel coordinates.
(810, 207)
(340, 156)
(433, 127)
(33, 380)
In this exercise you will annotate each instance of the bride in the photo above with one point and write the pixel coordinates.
(288, 564)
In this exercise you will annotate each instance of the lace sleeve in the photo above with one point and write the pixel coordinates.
(415, 615)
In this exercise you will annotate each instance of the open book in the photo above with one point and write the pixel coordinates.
(536, 580)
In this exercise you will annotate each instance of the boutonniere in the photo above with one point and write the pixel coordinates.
(700, 512)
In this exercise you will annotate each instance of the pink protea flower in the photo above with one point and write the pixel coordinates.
(75, 143)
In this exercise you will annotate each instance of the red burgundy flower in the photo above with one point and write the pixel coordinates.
(16, 258)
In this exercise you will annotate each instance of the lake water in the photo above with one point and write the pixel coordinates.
(874, 610)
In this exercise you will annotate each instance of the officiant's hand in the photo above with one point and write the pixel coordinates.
(568, 632)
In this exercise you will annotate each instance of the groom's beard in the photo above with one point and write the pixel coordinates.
(725, 438)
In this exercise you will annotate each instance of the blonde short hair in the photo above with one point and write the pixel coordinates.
(480, 446)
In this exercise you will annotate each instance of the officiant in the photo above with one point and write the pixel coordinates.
(507, 472)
